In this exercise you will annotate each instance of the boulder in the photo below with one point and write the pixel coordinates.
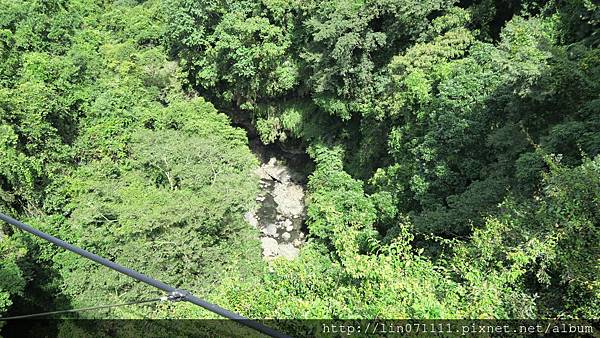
(270, 229)
(288, 251)
(269, 246)
(251, 219)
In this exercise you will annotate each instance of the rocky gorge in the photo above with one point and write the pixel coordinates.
(280, 209)
(280, 213)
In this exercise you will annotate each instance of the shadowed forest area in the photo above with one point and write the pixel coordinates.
(453, 165)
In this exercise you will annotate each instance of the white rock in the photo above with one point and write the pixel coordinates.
(286, 236)
(289, 228)
(251, 219)
(288, 251)
(289, 199)
(270, 247)
(270, 229)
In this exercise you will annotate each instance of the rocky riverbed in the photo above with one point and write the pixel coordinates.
(280, 213)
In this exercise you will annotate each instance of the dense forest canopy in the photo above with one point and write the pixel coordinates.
(456, 151)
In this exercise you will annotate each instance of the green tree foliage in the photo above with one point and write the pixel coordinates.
(180, 196)
(547, 246)
(232, 51)
(390, 284)
(442, 123)
(455, 144)
(254, 55)
(12, 277)
(101, 148)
